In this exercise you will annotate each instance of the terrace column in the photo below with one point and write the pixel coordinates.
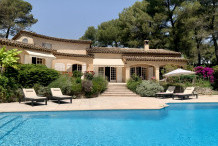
(127, 73)
(157, 72)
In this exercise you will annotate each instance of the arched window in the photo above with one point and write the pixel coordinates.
(77, 67)
(25, 40)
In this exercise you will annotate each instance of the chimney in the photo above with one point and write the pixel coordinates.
(146, 45)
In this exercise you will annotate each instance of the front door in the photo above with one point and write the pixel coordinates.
(108, 73)
(113, 74)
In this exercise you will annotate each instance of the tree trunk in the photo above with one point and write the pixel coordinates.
(199, 53)
(1, 69)
(175, 38)
(216, 47)
(8, 32)
(213, 30)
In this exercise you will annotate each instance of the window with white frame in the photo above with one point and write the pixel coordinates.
(36, 60)
(101, 71)
(77, 67)
(47, 45)
(139, 71)
(132, 71)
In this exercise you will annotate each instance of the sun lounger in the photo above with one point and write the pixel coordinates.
(30, 95)
(189, 91)
(169, 92)
(57, 95)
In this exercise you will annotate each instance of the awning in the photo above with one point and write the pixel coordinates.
(108, 62)
(40, 54)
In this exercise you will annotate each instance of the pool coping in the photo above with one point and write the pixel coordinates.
(151, 105)
(107, 109)
(112, 109)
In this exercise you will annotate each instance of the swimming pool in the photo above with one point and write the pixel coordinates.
(179, 124)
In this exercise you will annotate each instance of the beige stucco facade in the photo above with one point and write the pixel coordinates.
(67, 62)
(153, 67)
(115, 64)
(64, 47)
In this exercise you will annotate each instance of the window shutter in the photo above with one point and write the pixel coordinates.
(84, 68)
(43, 61)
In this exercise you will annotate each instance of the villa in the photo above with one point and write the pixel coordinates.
(116, 64)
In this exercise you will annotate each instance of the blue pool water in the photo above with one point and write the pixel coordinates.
(179, 124)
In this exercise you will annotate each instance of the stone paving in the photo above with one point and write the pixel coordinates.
(102, 103)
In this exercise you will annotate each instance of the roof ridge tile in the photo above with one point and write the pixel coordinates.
(51, 38)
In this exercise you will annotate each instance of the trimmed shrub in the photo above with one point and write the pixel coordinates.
(181, 85)
(201, 83)
(182, 79)
(3, 94)
(76, 88)
(4, 81)
(9, 95)
(99, 85)
(95, 87)
(64, 83)
(133, 83)
(148, 88)
(42, 91)
(8, 89)
(77, 74)
(29, 74)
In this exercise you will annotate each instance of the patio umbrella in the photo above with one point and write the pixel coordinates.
(179, 72)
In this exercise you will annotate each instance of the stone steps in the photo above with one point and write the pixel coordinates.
(118, 90)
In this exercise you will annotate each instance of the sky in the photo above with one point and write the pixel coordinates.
(70, 18)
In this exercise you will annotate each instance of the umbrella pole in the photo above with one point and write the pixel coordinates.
(180, 83)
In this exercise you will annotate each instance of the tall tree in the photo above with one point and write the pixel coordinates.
(180, 25)
(210, 7)
(90, 34)
(15, 15)
(108, 33)
(192, 24)
(170, 24)
(135, 25)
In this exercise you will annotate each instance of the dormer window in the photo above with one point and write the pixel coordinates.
(47, 45)
(25, 40)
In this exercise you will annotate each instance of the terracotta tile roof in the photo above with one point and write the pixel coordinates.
(51, 38)
(130, 51)
(15, 44)
(151, 58)
(73, 55)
